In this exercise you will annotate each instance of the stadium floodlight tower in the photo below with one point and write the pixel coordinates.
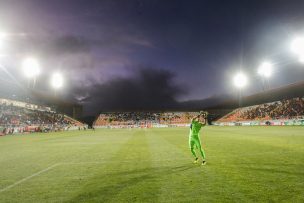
(57, 81)
(297, 47)
(31, 70)
(240, 81)
(265, 71)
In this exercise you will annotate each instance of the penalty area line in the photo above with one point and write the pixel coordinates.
(29, 177)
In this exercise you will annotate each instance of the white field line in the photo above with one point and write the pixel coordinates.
(29, 177)
(85, 162)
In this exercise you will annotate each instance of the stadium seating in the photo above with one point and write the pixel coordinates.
(23, 118)
(143, 119)
(176, 117)
(284, 109)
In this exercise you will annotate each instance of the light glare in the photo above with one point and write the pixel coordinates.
(297, 46)
(57, 80)
(265, 69)
(2, 38)
(31, 67)
(301, 59)
(240, 80)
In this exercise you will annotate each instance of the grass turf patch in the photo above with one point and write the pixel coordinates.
(244, 164)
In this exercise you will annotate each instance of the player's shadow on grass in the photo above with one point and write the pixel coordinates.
(140, 184)
(184, 167)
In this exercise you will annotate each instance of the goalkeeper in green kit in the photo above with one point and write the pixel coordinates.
(194, 140)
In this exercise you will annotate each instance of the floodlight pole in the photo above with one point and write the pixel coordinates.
(240, 97)
(263, 81)
(268, 83)
(34, 82)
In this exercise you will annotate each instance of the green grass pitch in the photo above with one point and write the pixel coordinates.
(244, 164)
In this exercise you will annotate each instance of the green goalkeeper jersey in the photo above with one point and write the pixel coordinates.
(195, 128)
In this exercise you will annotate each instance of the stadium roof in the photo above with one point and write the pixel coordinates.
(285, 92)
(51, 100)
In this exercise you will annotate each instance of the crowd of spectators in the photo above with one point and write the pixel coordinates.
(284, 109)
(125, 118)
(18, 119)
(143, 118)
(176, 117)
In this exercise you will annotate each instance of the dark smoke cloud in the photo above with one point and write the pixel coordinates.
(71, 44)
(147, 89)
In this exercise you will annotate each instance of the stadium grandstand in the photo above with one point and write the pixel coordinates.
(22, 117)
(283, 112)
(143, 119)
(280, 106)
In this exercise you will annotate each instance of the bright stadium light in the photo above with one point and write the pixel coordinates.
(297, 47)
(265, 69)
(57, 80)
(31, 68)
(240, 80)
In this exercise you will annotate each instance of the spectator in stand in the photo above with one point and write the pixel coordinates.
(145, 119)
(14, 118)
(285, 109)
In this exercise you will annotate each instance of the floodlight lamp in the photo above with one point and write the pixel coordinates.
(297, 46)
(57, 80)
(31, 67)
(265, 69)
(240, 80)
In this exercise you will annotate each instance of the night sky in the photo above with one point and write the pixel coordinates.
(151, 54)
